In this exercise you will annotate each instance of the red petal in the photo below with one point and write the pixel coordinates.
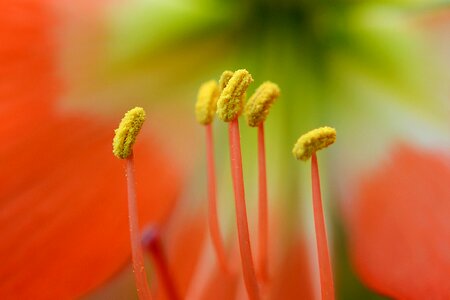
(63, 211)
(400, 230)
(185, 248)
(63, 217)
(293, 279)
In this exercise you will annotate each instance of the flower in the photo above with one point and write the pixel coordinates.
(71, 68)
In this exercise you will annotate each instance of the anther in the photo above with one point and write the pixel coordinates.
(126, 133)
(313, 141)
(205, 108)
(230, 103)
(257, 107)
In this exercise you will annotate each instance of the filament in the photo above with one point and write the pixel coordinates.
(241, 212)
(263, 209)
(136, 249)
(213, 221)
(326, 275)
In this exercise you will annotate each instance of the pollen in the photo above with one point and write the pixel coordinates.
(205, 108)
(224, 78)
(231, 100)
(257, 107)
(313, 141)
(125, 135)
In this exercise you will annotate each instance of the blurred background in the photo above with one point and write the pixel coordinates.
(377, 71)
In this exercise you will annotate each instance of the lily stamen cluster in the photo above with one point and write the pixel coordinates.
(230, 105)
(226, 99)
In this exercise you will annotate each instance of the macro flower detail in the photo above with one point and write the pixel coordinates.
(78, 223)
(255, 272)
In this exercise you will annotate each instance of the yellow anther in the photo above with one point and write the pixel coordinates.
(226, 76)
(230, 103)
(313, 141)
(257, 107)
(205, 108)
(126, 134)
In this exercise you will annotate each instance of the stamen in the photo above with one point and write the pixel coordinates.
(230, 103)
(122, 147)
(229, 107)
(257, 107)
(125, 134)
(205, 108)
(151, 240)
(248, 268)
(313, 141)
(256, 111)
(316, 140)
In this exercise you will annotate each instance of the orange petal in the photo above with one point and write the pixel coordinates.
(292, 280)
(400, 226)
(63, 211)
(185, 248)
(63, 218)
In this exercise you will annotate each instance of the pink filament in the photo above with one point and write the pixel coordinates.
(241, 212)
(326, 275)
(152, 243)
(136, 249)
(213, 221)
(263, 210)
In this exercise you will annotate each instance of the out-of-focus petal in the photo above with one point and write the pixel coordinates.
(400, 226)
(184, 247)
(63, 211)
(64, 220)
(292, 279)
